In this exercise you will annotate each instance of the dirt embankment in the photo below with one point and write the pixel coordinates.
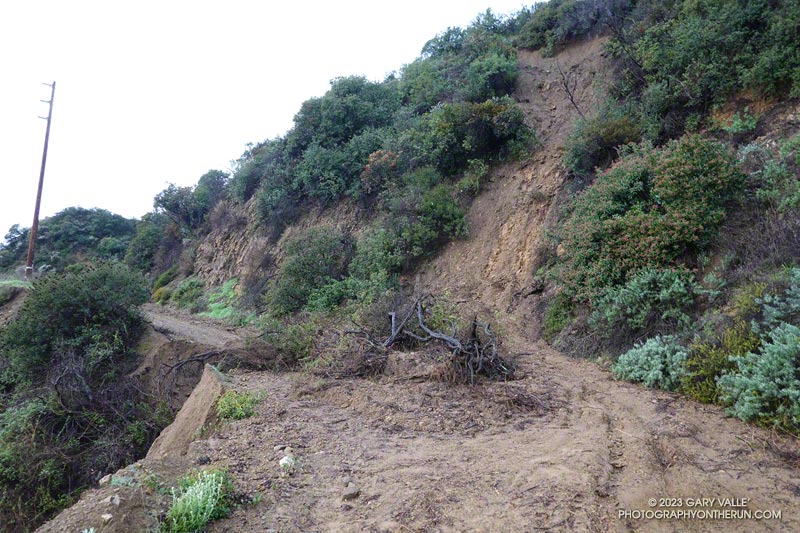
(496, 265)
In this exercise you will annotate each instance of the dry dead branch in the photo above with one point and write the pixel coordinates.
(477, 355)
(570, 84)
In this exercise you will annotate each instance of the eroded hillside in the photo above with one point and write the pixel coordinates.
(565, 447)
(498, 263)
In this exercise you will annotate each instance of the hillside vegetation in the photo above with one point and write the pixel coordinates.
(70, 236)
(673, 258)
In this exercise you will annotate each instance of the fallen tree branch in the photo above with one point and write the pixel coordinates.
(199, 358)
(474, 356)
(397, 330)
(570, 85)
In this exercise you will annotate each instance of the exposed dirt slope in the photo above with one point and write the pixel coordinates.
(9, 309)
(497, 262)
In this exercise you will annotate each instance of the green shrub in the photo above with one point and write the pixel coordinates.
(491, 75)
(558, 22)
(659, 362)
(293, 341)
(693, 55)
(30, 486)
(188, 207)
(143, 248)
(423, 85)
(452, 134)
(743, 122)
(266, 160)
(790, 150)
(420, 221)
(709, 360)
(313, 259)
(439, 218)
(381, 168)
(15, 283)
(775, 70)
(278, 206)
(376, 256)
(331, 295)
(470, 183)
(69, 347)
(765, 386)
(776, 309)
(594, 138)
(236, 405)
(377, 260)
(86, 309)
(776, 180)
(8, 292)
(329, 173)
(202, 498)
(745, 298)
(165, 278)
(473, 64)
(162, 295)
(651, 296)
(352, 105)
(557, 317)
(72, 235)
(189, 294)
(654, 208)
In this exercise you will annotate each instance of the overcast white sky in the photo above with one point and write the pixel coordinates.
(156, 92)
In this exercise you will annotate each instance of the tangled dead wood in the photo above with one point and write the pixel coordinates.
(475, 356)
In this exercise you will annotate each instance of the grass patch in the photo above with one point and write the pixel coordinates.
(189, 294)
(15, 283)
(222, 304)
(236, 405)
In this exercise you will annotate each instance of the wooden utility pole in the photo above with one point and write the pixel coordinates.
(35, 226)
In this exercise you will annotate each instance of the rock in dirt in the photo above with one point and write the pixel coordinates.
(351, 492)
(112, 500)
(106, 518)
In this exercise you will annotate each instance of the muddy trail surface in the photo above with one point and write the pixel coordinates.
(175, 324)
(562, 448)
